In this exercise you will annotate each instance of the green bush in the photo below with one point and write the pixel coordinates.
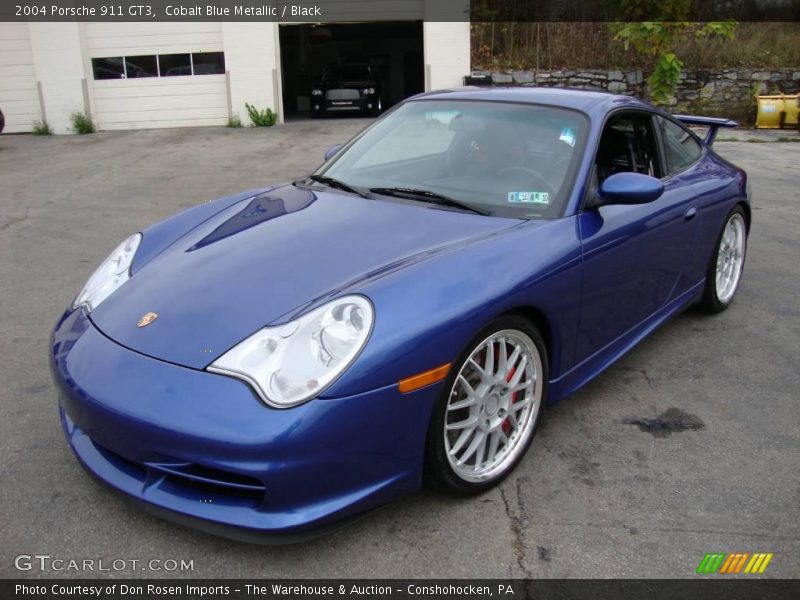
(264, 118)
(82, 123)
(234, 121)
(41, 128)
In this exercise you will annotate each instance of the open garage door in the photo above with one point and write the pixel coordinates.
(312, 56)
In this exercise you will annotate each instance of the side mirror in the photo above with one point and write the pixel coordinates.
(332, 150)
(629, 188)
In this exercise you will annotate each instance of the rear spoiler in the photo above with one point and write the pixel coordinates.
(713, 124)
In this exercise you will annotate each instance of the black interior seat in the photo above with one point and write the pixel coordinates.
(615, 154)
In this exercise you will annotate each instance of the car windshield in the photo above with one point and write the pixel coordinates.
(347, 73)
(504, 159)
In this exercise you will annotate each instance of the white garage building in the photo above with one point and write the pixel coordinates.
(130, 75)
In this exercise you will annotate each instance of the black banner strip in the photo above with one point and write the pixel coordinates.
(332, 11)
(706, 588)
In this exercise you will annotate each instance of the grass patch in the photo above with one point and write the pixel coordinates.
(261, 118)
(82, 123)
(41, 128)
(788, 139)
(234, 121)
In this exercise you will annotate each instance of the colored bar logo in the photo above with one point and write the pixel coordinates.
(734, 563)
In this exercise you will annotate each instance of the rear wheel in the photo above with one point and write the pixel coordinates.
(726, 265)
(489, 409)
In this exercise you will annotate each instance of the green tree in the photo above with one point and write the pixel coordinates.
(659, 40)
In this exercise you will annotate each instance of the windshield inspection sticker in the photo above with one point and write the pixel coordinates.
(567, 136)
(529, 197)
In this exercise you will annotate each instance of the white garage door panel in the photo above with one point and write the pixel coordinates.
(150, 103)
(16, 57)
(14, 31)
(15, 89)
(130, 39)
(108, 90)
(180, 118)
(17, 71)
(8, 44)
(171, 102)
(157, 102)
(166, 44)
(19, 98)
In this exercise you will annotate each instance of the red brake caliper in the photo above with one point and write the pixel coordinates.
(506, 422)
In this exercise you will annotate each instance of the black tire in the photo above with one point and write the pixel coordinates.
(711, 302)
(438, 470)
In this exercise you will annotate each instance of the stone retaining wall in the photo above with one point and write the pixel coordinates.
(727, 92)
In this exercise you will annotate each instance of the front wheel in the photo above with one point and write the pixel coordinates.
(726, 265)
(490, 406)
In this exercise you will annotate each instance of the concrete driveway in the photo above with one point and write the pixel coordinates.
(595, 497)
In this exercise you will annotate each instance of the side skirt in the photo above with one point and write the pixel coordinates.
(591, 367)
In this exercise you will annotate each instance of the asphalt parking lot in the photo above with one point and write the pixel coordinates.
(595, 497)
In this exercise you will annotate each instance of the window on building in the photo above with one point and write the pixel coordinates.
(681, 149)
(109, 68)
(161, 65)
(208, 63)
(175, 65)
(141, 66)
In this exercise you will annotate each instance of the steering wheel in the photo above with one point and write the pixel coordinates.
(528, 171)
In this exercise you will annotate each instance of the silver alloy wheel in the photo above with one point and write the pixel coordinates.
(730, 258)
(493, 406)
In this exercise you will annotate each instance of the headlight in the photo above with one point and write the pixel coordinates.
(368, 91)
(291, 363)
(112, 273)
(316, 92)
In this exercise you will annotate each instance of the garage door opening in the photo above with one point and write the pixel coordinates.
(319, 56)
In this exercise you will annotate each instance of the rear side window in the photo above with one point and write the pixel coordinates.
(681, 149)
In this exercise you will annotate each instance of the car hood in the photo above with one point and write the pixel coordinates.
(268, 258)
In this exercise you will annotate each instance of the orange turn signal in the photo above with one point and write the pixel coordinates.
(409, 384)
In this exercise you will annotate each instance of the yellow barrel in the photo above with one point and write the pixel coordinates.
(777, 112)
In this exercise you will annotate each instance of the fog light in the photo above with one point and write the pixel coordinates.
(369, 105)
(316, 107)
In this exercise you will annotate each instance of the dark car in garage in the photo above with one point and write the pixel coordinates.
(2, 121)
(349, 88)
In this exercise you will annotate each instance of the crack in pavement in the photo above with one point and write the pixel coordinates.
(517, 526)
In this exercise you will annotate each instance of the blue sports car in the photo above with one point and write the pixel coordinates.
(264, 365)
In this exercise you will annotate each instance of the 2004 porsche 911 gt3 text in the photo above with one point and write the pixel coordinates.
(267, 364)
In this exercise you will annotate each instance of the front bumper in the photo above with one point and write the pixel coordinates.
(322, 105)
(200, 449)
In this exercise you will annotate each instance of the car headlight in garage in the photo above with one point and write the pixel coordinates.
(316, 92)
(368, 91)
(112, 273)
(289, 364)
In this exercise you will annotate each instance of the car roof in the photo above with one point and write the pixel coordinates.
(588, 101)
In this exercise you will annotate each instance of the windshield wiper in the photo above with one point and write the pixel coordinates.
(340, 185)
(428, 196)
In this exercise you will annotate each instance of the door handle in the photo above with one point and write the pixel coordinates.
(690, 213)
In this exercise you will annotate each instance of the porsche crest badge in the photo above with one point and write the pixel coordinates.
(147, 318)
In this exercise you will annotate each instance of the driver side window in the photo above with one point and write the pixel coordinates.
(628, 145)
